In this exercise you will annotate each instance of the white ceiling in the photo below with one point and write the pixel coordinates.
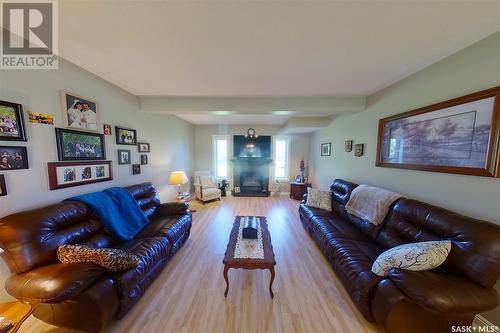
(266, 48)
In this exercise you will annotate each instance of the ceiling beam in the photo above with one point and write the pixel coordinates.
(289, 106)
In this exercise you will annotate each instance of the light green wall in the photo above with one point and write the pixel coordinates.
(171, 138)
(472, 69)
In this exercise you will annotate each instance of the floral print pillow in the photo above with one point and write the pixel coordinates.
(420, 256)
(319, 199)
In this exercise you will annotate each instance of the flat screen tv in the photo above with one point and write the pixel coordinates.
(245, 147)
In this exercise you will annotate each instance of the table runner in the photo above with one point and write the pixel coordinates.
(249, 248)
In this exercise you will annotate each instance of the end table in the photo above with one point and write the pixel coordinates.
(17, 312)
(190, 198)
(297, 190)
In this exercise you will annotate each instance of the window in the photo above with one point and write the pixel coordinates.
(281, 157)
(220, 150)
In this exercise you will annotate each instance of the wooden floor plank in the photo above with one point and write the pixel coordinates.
(188, 294)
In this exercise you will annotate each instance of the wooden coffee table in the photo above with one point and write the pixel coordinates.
(267, 263)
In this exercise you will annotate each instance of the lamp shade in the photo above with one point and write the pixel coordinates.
(178, 178)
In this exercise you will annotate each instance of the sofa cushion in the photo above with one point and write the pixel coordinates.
(171, 227)
(421, 256)
(210, 191)
(319, 199)
(352, 261)
(53, 283)
(333, 227)
(112, 259)
(444, 292)
(341, 192)
(308, 212)
(153, 254)
(475, 252)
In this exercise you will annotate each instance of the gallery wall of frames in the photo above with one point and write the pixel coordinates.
(81, 143)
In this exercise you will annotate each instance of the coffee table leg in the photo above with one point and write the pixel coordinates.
(226, 268)
(271, 283)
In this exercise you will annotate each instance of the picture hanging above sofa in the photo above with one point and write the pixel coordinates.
(456, 136)
(77, 146)
(69, 174)
(11, 122)
(13, 158)
(79, 112)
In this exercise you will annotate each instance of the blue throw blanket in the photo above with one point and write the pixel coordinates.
(117, 210)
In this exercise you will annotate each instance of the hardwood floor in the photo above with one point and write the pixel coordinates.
(188, 295)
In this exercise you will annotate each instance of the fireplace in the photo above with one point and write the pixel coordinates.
(251, 175)
(251, 165)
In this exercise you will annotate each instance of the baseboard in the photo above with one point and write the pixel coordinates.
(481, 321)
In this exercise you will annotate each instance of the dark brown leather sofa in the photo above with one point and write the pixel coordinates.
(86, 296)
(405, 301)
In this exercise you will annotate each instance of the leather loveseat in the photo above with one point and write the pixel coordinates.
(406, 301)
(86, 296)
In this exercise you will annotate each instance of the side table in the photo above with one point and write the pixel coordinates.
(297, 190)
(17, 312)
(190, 198)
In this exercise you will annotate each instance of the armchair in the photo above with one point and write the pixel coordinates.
(205, 186)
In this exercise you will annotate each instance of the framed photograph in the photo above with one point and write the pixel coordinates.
(11, 122)
(41, 118)
(144, 147)
(460, 135)
(136, 169)
(106, 129)
(144, 159)
(326, 149)
(13, 158)
(68, 174)
(125, 136)
(79, 112)
(3, 187)
(79, 146)
(299, 179)
(348, 145)
(124, 156)
(359, 149)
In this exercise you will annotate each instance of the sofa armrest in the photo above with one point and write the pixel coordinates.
(444, 292)
(52, 283)
(172, 208)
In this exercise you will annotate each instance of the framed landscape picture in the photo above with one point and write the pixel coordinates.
(11, 122)
(13, 158)
(68, 174)
(456, 136)
(79, 112)
(125, 136)
(326, 149)
(78, 146)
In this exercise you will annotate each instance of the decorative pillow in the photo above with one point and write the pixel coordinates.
(112, 259)
(319, 199)
(420, 256)
(207, 181)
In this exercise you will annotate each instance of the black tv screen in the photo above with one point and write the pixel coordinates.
(245, 147)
